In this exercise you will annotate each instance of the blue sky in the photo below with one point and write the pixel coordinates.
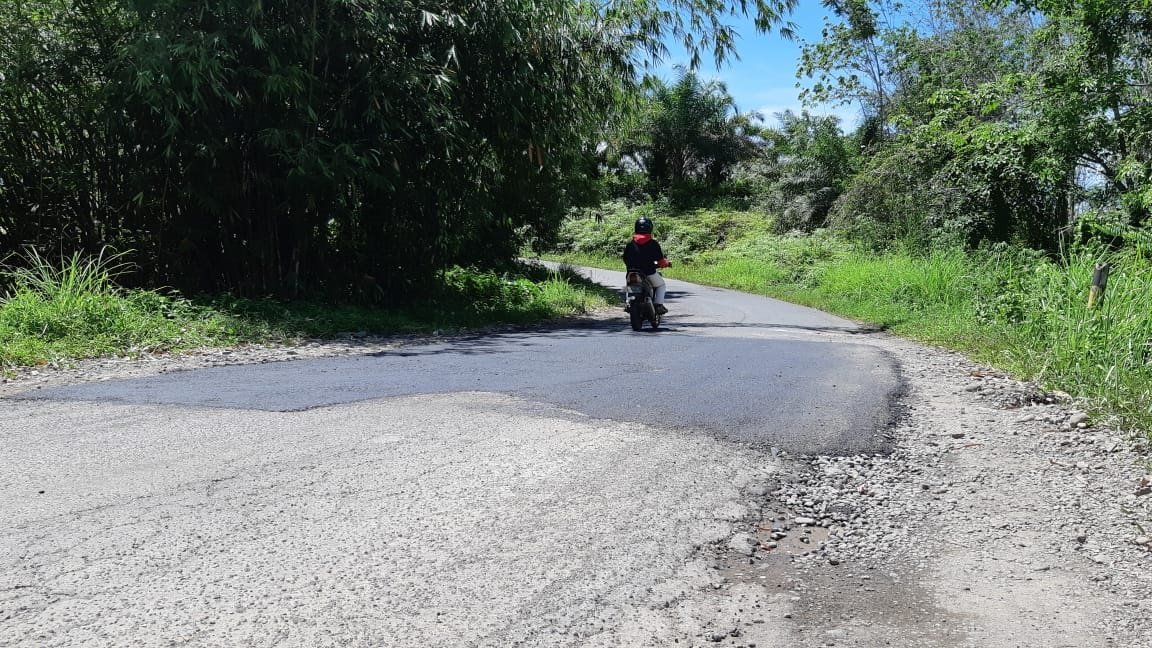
(764, 79)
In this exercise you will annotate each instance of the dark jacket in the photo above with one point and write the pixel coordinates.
(643, 253)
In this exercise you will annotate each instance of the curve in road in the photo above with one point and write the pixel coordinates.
(738, 366)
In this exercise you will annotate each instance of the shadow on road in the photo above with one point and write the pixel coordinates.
(577, 328)
(852, 330)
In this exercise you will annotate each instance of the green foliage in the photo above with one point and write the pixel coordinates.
(72, 308)
(854, 60)
(687, 132)
(1037, 303)
(322, 147)
(811, 160)
(683, 235)
(55, 311)
(960, 149)
(965, 160)
(886, 203)
(487, 294)
(603, 231)
(1012, 307)
(1091, 94)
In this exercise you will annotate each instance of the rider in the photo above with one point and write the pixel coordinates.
(643, 253)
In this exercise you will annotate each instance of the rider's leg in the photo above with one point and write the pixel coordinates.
(659, 288)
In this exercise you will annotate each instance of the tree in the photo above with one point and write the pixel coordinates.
(955, 148)
(811, 161)
(690, 131)
(854, 61)
(60, 160)
(310, 146)
(1093, 93)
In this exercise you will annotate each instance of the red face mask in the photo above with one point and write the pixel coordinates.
(641, 239)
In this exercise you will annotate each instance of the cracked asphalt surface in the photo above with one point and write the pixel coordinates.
(549, 488)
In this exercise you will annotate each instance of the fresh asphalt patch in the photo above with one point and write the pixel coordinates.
(803, 396)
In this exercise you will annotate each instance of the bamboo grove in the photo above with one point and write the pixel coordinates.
(347, 148)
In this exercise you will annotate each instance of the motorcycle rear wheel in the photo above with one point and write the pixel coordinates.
(637, 319)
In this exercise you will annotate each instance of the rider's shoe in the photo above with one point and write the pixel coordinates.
(661, 310)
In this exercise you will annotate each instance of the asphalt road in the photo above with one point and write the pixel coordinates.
(548, 488)
(741, 367)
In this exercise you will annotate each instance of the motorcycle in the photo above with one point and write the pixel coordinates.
(640, 307)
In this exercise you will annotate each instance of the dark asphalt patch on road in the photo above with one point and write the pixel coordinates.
(802, 396)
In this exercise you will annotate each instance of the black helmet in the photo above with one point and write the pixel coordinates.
(643, 226)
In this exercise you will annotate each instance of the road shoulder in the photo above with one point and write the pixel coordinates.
(1003, 516)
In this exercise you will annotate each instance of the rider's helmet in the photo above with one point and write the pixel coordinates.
(643, 226)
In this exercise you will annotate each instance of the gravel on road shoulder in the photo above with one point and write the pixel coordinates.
(1004, 516)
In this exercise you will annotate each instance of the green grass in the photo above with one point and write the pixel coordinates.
(1006, 306)
(71, 309)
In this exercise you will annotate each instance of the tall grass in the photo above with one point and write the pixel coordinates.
(73, 308)
(570, 297)
(1103, 352)
(931, 298)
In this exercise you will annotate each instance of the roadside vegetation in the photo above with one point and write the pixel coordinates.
(55, 311)
(1014, 308)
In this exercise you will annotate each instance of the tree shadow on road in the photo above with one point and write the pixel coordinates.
(512, 339)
